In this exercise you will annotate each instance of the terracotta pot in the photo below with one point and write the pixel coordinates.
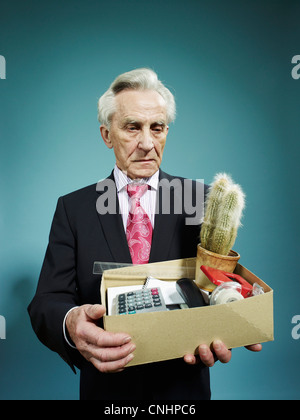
(221, 262)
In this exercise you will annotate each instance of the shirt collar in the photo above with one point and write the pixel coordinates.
(122, 180)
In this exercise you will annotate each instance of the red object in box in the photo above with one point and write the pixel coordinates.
(219, 277)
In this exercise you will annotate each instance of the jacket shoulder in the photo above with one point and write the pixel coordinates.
(85, 192)
(187, 181)
(80, 194)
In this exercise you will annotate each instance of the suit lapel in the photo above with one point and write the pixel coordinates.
(111, 222)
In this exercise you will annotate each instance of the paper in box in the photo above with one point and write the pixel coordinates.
(167, 335)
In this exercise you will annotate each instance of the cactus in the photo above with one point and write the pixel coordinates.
(223, 212)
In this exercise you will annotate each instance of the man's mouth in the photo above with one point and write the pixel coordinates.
(144, 160)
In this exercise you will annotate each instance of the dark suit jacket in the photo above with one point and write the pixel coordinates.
(80, 236)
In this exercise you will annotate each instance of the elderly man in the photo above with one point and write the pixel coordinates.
(66, 312)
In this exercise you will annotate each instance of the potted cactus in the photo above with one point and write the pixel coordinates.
(222, 218)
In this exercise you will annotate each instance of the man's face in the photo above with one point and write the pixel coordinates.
(138, 132)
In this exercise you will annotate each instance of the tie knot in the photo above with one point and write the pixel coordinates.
(136, 191)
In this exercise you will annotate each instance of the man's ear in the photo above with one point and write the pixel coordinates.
(106, 137)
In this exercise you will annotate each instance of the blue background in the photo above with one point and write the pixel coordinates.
(229, 66)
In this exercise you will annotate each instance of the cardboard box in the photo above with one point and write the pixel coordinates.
(172, 334)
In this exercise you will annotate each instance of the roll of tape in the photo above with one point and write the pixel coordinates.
(227, 296)
(226, 293)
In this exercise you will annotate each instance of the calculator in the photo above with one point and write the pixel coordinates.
(140, 301)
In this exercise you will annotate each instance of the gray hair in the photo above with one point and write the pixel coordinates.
(139, 79)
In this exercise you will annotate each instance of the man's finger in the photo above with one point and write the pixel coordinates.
(110, 354)
(254, 347)
(102, 338)
(190, 359)
(114, 366)
(95, 311)
(99, 337)
(206, 355)
(221, 351)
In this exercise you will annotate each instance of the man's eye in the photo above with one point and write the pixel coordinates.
(132, 128)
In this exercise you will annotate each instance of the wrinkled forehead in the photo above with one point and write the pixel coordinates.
(140, 104)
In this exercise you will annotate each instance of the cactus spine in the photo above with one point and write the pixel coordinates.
(223, 211)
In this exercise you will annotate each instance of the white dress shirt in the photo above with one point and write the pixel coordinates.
(148, 200)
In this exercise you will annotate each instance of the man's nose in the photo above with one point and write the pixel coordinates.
(145, 141)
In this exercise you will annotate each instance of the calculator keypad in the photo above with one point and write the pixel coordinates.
(140, 301)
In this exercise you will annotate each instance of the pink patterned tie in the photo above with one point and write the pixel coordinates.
(139, 228)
